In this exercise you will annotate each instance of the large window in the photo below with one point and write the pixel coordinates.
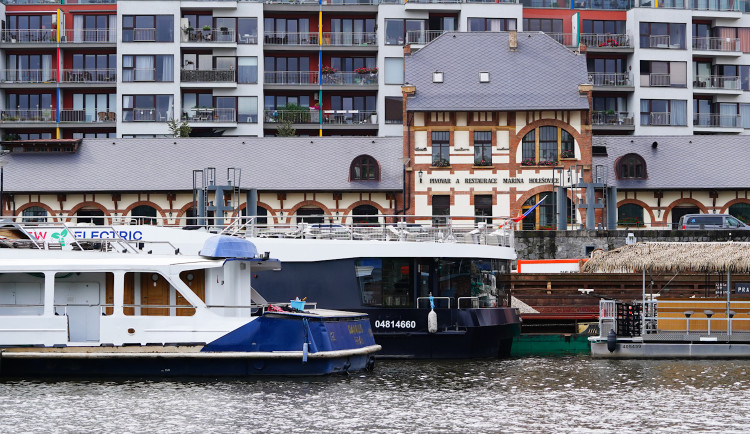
(29, 107)
(394, 70)
(34, 214)
(483, 208)
(364, 168)
(398, 32)
(95, 28)
(147, 28)
(147, 108)
(630, 214)
(365, 215)
(662, 112)
(543, 216)
(148, 68)
(545, 145)
(247, 30)
(741, 211)
(482, 148)
(441, 206)
(663, 74)
(441, 148)
(662, 35)
(247, 109)
(631, 166)
(491, 24)
(286, 30)
(144, 215)
(385, 282)
(30, 28)
(600, 27)
(247, 69)
(95, 67)
(394, 111)
(29, 68)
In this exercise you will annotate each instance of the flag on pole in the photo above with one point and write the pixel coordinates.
(521, 217)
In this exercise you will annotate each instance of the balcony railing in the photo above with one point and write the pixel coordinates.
(326, 2)
(89, 36)
(610, 79)
(33, 36)
(30, 116)
(716, 44)
(340, 39)
(330, 117)
(212, 115)
(350, 78)
(698, 5)
(27, 76)
(212, 35)
(659, 80)
(594, 40)
(57, 2)
(717, 82)
(563, 38)
(300, 78)
(108, 75)
(82, 116)
(208, 76)
(421, 37)
(659, 41)
(656, 118)
(715, 120)
(611, 118)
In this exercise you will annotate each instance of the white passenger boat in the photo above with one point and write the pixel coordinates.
(391, 272)
(118, 305)
(659, 326)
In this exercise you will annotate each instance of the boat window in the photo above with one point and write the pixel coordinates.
(385, 282)
(464, 277)
(21, 294)
(150, 294)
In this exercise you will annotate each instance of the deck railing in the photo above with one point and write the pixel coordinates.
(716, 120)
(617, 79)
(25, 115)
(208, 75)
(716, 44)
(730, 82)
(606, 40)
(106, 75)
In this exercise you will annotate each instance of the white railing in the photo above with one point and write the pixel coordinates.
(610, 79)
(715, 120)
(658, 41)
(659, 79)
(108, 75)
(596, 40)
(212, 115)
(211, 35)
(346, 39)
(660, 118)
(31, 116)
(421, 37)
(731, 82)
(350, 78)
(89, 36)
(300, 78)
(83, 115)
(26, 36)
(613, 118)
(716, 44)
(208, 75)
(27, 75)
(330, 117)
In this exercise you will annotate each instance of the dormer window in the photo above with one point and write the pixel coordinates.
(631, 166)
(437, 77)
(484, 77)
(364, 168)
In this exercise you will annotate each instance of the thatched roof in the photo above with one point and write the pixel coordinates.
(674, 257)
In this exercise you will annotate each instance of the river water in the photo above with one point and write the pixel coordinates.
(533, 394)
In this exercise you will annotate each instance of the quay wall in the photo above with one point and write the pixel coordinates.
(579, 244)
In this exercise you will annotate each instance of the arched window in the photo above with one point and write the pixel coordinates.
(630, 214)
(144, 215)
(741, 211)
(365, 215)
(260, 213)
(90, 215)
(312, 214)
(34, 214)
(543, 217)
(545, 145)
(364, 168)
(631, 166)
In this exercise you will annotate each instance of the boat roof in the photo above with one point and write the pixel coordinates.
(672, 257)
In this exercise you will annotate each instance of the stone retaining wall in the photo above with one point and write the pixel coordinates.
(576, 244)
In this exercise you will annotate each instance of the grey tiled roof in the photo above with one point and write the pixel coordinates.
(541, 74)
(271, 163)
(681, 162)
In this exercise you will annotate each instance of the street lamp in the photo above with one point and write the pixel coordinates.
(420, 173)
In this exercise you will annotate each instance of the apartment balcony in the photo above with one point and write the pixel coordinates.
(611, 81)
(352, 80)
(212, 115)
(353, 119)
(716, 46)
(563, 38)
(365, 40)
(703, 8)
(659, 80)
(612, 121)
(663, 42)
(662, 119)
(606, 43)
(714, 122)
(206, 36)
(717, 84)
(96, 37)
(28, 37)
(284, 79)
(421, 37)
(88, 118)
(27, 77)
(105, 77)
(368, 6)
(210, 77)
(25, 116)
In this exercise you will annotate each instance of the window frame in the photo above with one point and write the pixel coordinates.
(440, 143)
(533, 141)
(483, 148)
(631, 166)
(364, 168)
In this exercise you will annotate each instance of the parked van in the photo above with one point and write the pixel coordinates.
(711, 221)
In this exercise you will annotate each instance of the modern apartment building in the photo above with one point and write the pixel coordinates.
(100, 68)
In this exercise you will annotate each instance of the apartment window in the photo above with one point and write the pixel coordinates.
(350, 64)
(544, 145)
(482, 148)
(441, 148)
(247, 30)
(631, 166)
(353, 31)
(77, 135)
(147, 108)
(745, 115)
(96, 67)
(34, 214)
(27, 136)
(630, 214)
(546, 25)
(364, 168)
(95, 28)
(29, 68)
(286, 30)
(441, 206)
(491, 24)
(394, 70)
(398, 32)
(663, 74)
(247, 109)
(662, 35)
(483, 208)
(91, 107)
(147, 68)
(543, 216)
(603, 27)
(30, 28)
(247, 69)
(661, 112)
(147, 28)
(28, 107)
(394, 110)
(273, 102)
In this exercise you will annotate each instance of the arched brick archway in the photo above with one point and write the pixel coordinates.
(515, 143)
(645, 207)
(50, 212)
(686, 200)
(350, 209)
(302, 204)
(518, 204)
(725, 208)
(160, 212)
(88, 204)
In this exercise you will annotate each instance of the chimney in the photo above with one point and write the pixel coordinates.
(513, 40)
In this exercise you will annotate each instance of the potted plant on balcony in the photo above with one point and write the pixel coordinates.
(440, 162)
(206, 28)
(482, 162)
(528, 162)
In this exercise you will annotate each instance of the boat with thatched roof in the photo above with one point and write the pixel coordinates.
(659, 327)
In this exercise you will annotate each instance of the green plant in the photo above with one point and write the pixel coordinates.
(206, 28)
(294, 113)
(179, 129)
(187, 30)
(440, 162)
(568, 153)
(286, 129)
(528, 162)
